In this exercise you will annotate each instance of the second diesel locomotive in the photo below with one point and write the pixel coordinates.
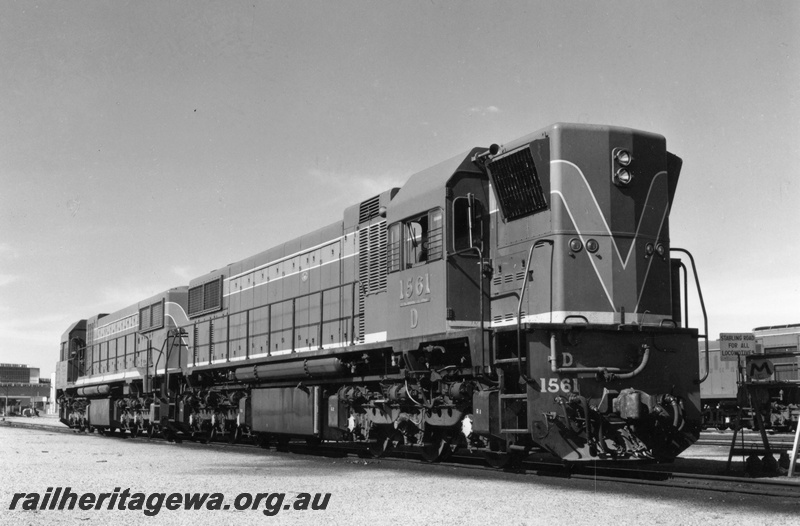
(776, 383)
(513, 297)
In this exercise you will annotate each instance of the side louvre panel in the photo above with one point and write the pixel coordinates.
(205, 298)
(369, 209)
(372, 248)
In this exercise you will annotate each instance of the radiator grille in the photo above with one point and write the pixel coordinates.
(517, 184)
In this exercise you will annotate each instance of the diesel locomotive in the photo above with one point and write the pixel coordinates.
(512, 298)
(773, 374)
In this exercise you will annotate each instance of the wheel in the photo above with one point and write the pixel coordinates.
(263, 441)
(235, 435)
(170, 435)
(211, 435)
(282, 444)
(380, 440)
(783, 460)
(498, 457)
(437, 447)
(769, 465)
(753, 466)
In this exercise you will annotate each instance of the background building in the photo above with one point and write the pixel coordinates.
(21, 388)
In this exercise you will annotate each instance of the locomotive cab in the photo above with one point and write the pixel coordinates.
(435, 283)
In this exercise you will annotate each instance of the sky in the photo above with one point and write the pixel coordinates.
(145, 143)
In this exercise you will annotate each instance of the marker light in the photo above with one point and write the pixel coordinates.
(592, 245)
(575, 244)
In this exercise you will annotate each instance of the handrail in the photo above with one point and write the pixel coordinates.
(481, 279)
(702, 306)
(609, 373)
(155, 365)
(148, 378)
(685, 293)
(524, 287)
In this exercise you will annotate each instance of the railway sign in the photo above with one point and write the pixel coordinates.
(760, 369)
(735, 344)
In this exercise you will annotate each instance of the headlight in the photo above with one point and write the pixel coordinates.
(623, 157)
(592, 245)
(622, 177)
(620, 166)
(575, 244)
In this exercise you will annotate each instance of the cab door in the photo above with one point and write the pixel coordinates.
(468, 248)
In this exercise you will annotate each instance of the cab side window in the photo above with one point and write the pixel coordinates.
(415, 246)
(416, 241)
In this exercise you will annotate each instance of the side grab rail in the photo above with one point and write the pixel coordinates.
(539, 243)
(702, 306)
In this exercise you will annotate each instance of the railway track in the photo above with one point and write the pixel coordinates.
(748, 443)
(749, 440)
(640, 474)
(599, 472)
(691, 481)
